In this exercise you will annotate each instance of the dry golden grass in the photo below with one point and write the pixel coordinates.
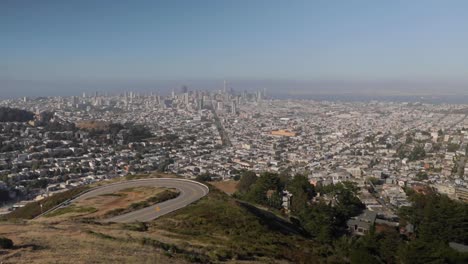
(71, 242)
(67, 239)
(228, 187)
(197, 233)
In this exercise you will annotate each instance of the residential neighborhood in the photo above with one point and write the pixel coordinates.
(384, 147)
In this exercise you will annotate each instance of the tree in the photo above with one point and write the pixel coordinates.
(204, 177)
(319, 221)
(421, 252)
(409, 139)
(388, 242)
(266, 182)
(421, 176)
(417, 153)
(42, 183)
(362, 255)
(373, 180)
(248, 178)
(302, 192)
(136, 133)
(347, 202)
(437, 218)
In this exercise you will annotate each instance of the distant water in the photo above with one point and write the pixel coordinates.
(448, 99)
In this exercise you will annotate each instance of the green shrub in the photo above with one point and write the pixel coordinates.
(137, 226)
(6, 243)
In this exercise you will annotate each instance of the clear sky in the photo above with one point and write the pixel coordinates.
(331, 40)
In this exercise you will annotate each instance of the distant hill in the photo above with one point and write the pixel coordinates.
(8, 114)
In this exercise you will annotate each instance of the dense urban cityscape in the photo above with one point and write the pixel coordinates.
(79, 140)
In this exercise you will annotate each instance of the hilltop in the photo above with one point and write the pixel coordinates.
(216, 228)
(243, 228)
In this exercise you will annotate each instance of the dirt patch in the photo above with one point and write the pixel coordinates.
(228, 187)
(97, 125)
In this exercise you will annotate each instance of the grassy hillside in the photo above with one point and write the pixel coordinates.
(215, 229)
(222, 229)
(33, 209)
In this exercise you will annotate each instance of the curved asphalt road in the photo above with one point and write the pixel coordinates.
(190, 191)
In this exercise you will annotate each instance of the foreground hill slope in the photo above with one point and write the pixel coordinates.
(215, 229)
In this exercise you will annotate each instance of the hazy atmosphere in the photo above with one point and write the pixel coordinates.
(289, 47)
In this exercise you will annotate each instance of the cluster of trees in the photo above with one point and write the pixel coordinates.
(325, 219)
(37, 183)
(417, 153)
(381, 247)
(437, 220)
(204, 177)
(162, 167)
(137, 133)
(134, 132)
(8, 114)
(422, 175)
(56, 126)
(266, 190)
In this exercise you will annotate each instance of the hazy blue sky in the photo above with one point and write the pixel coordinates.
(347, 40)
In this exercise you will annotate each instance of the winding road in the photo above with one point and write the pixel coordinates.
(190, 191)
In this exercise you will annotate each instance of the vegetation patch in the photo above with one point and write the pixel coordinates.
(137, 226)
(231, 231)
(101, 235)
(8, 114)
(6, 243)
(175, 251)
(112, 195)
(33, 209)
(72, 209)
